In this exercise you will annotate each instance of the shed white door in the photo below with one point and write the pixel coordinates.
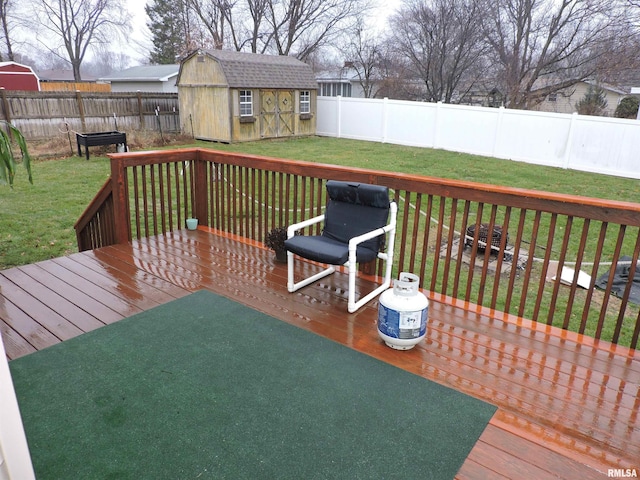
(277, 108)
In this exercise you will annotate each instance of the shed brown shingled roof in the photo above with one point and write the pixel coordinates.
(252, 70)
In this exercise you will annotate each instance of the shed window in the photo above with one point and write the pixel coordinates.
(305, 101)
(246, 103)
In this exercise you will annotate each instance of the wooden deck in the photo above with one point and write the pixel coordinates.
(567, 406)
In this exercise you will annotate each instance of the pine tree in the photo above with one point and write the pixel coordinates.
(594, 101)
(169, 29)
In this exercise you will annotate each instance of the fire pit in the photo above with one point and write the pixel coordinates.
(483, 237)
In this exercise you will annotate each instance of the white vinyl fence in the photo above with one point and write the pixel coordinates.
(593, 144)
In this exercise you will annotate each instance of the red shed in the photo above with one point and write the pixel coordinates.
(14, 76)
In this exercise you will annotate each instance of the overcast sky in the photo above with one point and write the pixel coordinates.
(140, 33)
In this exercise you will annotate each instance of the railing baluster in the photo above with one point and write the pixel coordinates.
(561, 260)
(154, 200)
(545, 266)
(169, 196)
(437, 245)
(474, 252)
(425, 240)
(403, 223)
(262, 213)
(501, 258)
(145, 201)
(416, 230)
(529, 265)
(612, 271)
(487, 255)
(461, 246)
(594, 275)
(252, 208)
(449, 246)
(136, 201)
(627, 290)
(577, 267)
(163, 223)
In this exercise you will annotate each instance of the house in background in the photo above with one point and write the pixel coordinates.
(566, 100)
(338, 83)
(145, 78)
(15, 76)
(231, 96)
(59, 80)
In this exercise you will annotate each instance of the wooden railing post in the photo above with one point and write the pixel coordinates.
(121, 211)
(200, 207)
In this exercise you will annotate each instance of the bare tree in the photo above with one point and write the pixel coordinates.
(4, 8)
(442, 43)
(544, 46)
(619, 63)
(80, 24)
(300, 27)
(216, 17)
(284, 27)
(396, 76)
(363, 57)
(10, 19)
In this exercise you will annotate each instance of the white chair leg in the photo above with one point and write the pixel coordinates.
(292, 286)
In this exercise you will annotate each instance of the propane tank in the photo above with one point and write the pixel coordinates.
(402, 313)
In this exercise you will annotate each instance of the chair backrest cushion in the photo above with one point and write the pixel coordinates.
(355, 208)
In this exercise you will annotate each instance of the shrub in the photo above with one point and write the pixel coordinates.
(627, 108)
(594, 101)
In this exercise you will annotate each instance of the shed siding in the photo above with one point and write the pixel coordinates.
(206, 113)
(205, 72)
(205, 98)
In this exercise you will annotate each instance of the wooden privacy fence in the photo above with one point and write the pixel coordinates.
(445, 230)
(44, 115)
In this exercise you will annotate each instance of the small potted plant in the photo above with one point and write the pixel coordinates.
(275, 241)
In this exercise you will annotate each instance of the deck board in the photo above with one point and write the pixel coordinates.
(565, 409)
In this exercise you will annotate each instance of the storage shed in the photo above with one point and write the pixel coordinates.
(14, 76)
(231, 96)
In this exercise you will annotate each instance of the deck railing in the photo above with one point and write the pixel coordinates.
(549, 251)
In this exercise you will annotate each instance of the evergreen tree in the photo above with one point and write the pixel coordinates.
(627, 108)
(594, 101)
(169, 28)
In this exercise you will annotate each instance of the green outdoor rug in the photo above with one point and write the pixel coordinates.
(204, 387)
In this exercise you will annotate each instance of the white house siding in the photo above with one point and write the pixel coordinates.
(566, 100)
(158, 87)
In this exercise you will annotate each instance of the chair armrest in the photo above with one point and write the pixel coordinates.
(292, 229)
(391, 226)
(353, 242)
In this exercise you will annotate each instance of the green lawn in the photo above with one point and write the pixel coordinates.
(36, 221)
